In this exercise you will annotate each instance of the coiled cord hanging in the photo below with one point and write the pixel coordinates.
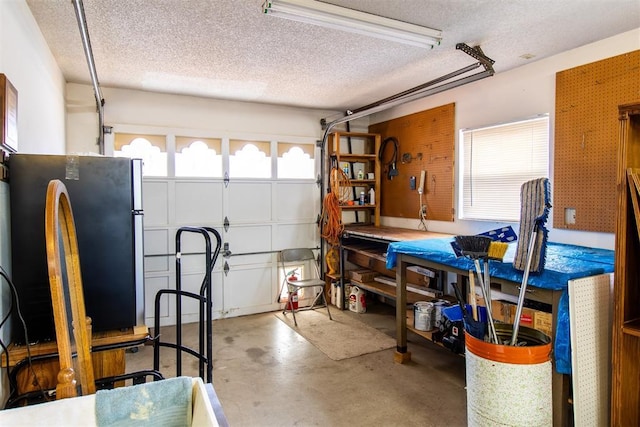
(331, 218)
(390, 166)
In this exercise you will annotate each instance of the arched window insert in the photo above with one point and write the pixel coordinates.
(198, 157)
(152, 149)
(249, 159)
(296, 160)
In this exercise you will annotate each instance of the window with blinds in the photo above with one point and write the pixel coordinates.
(496, 161)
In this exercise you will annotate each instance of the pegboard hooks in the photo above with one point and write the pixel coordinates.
(408, 157)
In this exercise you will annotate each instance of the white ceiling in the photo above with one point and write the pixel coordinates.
(231, 50)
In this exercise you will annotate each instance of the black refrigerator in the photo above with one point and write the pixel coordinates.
(106, 199)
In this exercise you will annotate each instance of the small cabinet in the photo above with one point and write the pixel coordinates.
(356, 154)
(625, 407)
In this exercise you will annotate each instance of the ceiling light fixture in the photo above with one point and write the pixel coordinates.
(343, 19)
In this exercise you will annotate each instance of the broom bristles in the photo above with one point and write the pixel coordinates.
(497, 250)
(474, 246)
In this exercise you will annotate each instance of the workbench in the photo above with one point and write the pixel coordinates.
(563, 263)
(366, 247)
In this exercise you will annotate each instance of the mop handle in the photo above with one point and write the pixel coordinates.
(493, 336)
(487, 284)
(472, 286)
(523, 286)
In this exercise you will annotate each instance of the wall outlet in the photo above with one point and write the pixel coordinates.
(569, 216)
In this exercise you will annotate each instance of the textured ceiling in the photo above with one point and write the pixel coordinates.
(231, 50)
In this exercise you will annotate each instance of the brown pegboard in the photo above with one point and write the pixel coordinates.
(428, 137)
(586, 136)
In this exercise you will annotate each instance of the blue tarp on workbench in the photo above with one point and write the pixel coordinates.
(563, 263)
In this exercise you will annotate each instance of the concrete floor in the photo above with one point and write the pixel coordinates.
(265, 374)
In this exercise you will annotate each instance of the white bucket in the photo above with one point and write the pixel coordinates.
(509, 385)
(357, 300)
(423, 315)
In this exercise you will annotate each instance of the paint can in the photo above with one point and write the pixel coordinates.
(423, 315)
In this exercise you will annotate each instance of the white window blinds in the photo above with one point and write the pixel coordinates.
(496, 161)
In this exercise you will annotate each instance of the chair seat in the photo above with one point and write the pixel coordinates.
(299, 259)
(306, 283)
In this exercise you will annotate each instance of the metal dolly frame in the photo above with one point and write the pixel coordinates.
(205, 302)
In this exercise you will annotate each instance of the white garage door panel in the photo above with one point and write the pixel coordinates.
(297, 201)
(192, 283)
(155, 200)
(296, 236)
(156, 264)
(240, 260)
(195, 241)
(156, 241)
(197, 263)
(248, 288)
(264, 216)
(249, 239)
(151, 286)
(250, 202)
(198, 203)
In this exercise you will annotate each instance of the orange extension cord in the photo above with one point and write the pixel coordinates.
(331, 214)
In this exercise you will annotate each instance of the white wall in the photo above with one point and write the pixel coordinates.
(131, 109)
(28, 63)
(515, 94)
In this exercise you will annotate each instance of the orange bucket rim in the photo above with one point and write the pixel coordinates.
(528, 355)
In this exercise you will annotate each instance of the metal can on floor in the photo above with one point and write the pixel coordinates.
(423, 315)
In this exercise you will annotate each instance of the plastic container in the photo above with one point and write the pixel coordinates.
(438, 307)
(509, 385)
(357, 300)
(334, 285)
(372, 196)
(423, 315)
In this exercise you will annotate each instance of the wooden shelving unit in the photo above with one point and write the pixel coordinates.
(359, 151)
(625, 401)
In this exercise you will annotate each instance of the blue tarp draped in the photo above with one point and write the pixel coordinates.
(563, 263)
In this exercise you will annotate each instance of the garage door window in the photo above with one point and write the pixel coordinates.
(152, 149)
(198, 157)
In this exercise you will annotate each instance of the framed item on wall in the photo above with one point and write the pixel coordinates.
(8, 115)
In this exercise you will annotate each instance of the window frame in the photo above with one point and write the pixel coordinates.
(496, 192)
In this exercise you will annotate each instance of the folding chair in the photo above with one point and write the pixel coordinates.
(288, 258)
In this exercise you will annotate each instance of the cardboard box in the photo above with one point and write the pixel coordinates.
(501, 311)
(380, 266)
(363, 275)
(526, 316)
(505, 312)
(543, 322)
